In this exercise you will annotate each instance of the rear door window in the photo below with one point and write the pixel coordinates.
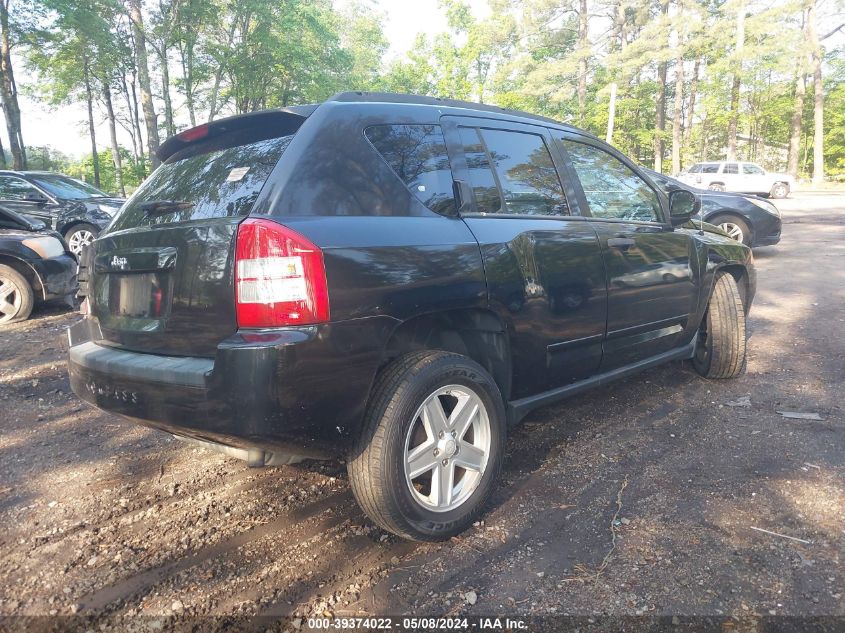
(512, 173)
(417, 153)
(196, 184)
(12, 188)
(730, 168)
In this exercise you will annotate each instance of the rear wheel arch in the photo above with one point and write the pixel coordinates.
(477, 334)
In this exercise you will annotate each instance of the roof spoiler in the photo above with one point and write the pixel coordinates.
(282, 119)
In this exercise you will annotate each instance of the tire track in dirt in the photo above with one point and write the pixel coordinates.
(150, 578)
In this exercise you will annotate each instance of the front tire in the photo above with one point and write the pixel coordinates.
(721, 347)
(80, 236)
(779, 190)
(735, 227)
(431, 446)
(16, 296)
(716, 186)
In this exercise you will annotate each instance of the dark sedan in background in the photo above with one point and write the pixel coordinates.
(35, 265)
(73, 208)
(747, 219)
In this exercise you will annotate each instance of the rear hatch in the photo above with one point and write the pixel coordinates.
(160, 278)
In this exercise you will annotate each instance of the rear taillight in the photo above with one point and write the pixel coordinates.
(280, 278)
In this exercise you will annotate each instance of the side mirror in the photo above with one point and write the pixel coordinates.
(683, 205)
(35, 196)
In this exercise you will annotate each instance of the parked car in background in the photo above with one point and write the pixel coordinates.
(747, 219)
(395, 280)
(73, 208)
(35, 265)
(738, 176)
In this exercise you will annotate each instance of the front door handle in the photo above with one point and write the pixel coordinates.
(620, 242)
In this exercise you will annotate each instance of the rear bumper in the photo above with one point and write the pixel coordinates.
(300, 391)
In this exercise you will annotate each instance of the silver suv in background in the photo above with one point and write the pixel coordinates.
(739, 177)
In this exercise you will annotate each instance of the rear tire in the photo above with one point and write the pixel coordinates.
(400, 437)
(16, 296)
(721, 347)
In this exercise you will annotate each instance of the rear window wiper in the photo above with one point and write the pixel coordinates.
(152, 207)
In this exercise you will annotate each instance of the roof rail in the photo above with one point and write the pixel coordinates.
(393, 97)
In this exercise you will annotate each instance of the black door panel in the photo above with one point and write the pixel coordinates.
(652, 287)
(544, 268)
(546, 277)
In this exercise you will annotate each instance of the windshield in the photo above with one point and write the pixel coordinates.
(67, 188)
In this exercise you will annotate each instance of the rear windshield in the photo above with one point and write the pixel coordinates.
(196, 184)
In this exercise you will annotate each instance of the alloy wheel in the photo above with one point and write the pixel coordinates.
(733, 230)
(79, 240)
(11, 299)
(447, 448)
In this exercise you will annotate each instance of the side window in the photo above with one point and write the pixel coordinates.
(14, 188)
(695, 168)
(527, 175)
(730, 168)
(417, 153)
(749, 168)
(710, 168)
(612, 189)
(481, 179)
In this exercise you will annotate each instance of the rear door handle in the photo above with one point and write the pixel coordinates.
(620, 242)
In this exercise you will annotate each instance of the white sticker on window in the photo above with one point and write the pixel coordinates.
(237, 174)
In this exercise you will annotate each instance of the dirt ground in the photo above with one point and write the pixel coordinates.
(640, 498)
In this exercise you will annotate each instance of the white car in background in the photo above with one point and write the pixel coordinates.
(739, 177)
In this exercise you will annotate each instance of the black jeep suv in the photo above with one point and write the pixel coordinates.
(395, 280)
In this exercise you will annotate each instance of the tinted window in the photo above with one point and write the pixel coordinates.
(748, 168)
(710, 168)
(731, 168)
(527, 175)
(612, 189)
(417, 153)
(219, 183)
(14, 188)
(487, 199)
(695, 168)
(68, 188)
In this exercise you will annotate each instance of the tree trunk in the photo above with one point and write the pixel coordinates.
(583, 43)
(136, 120)
(678, 113)
(218, 77)
(165, 93)
(611, 114)
(818, 96)
(2, 155)
(660, 107)
(115, 148)
(9, 93)
(144, 79)
(693, 94)
(660, 118)
(795, 124)
(733, 121)
(89, 97)
(186, 54)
